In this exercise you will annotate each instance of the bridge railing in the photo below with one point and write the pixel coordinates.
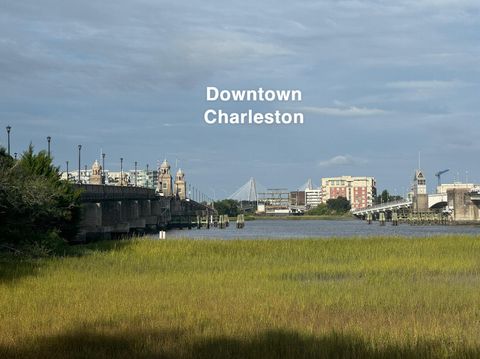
(384, 206)
(92, 192)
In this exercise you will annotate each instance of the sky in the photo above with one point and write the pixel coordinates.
(381, 81)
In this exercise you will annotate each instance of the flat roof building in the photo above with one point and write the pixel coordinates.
(360, 191)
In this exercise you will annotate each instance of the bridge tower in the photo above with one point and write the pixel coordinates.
(164, 185)
(96, 177)
(180, 186)
(420, 196)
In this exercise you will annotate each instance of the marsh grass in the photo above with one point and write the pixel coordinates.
(345, 298)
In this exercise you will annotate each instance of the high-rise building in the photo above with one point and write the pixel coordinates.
(144, 179)
(360, 191)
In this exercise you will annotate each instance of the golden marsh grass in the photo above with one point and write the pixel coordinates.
(344, 298)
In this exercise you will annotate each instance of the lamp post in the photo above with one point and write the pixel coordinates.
(79, 163)
(103, 168)
(148, 178)
(49, 138)
(121, 171)
(135, 173)
(67, 170)
(8, 138)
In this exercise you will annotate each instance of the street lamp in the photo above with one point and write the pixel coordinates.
(48, 148)
(121, 171)
(103, 168)
(8, 138)
(67, 170)
(148, 178)
(135, 173)
(79, 163)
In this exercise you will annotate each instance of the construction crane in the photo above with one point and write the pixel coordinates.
(439, 174)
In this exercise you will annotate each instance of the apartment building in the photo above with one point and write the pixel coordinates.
(360, 191)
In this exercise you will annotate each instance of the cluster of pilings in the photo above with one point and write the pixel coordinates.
(222, 221)
(240, 221)
(412, 218)
(426, 218)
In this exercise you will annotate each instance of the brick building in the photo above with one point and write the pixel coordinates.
(360, 191)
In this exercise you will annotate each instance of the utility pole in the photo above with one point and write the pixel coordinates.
(121, 171)
(148, 178)
(104, 178)
(49, 138)
(79, 163)
(9, 128)
(135, 173)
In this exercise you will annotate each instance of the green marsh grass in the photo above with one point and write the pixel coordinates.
(343, 298)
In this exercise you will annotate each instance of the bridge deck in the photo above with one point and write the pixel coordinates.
(92, 193)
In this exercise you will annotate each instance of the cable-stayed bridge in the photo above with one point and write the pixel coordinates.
(248, 192)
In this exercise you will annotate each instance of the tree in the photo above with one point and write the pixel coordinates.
(339, 205)
(334, 206)
(386, 197)
(320, 210)
(36, 206)
(227, 206)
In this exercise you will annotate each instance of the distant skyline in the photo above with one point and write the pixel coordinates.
(380, 82)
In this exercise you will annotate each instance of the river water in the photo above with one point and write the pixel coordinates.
(319, 228)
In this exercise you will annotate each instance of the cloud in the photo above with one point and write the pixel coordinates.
(342, 160)
(426, 85)
(351, 111)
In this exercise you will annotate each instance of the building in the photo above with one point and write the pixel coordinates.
(164, 186)
(443, 188)
(360, 191)
(420, 196)
(73, 176)
(297, 198)
(114, 178)
(274, 201)
(145, 179)
(180, 186)
(313, 197)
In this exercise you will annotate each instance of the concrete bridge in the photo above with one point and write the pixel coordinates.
(384, 207)
(114, 211)
(435, 201)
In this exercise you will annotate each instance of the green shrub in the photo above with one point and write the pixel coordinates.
(37, 208)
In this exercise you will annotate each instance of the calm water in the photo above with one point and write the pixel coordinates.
(319, 228)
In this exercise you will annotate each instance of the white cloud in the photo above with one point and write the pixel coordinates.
(342, 160)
